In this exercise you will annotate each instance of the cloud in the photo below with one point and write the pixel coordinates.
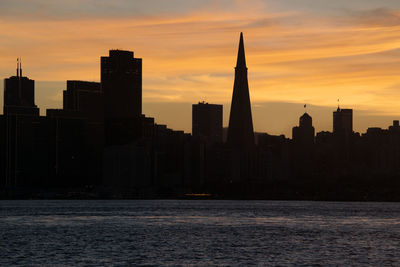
(89, 9)
(294, 55)
(379, 17)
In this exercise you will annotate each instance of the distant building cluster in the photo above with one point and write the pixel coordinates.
(100, 144)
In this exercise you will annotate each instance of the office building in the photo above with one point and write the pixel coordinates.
(19, 95)
(121, 83)
(303, 135)
(207, 122)
(343, 122)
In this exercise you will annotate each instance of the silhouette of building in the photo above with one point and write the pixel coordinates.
(206, 143)
(343, 121)
(303, 135)
(20, 133)
(77, 135)
(381, 150)
(19, 95)
(84, 97)
(138, 155)
(395, 127)
(240, 131)
(121, 84)
(239, 156)
(207, 122)
(303, 146)
(273, 157)
(85, 100)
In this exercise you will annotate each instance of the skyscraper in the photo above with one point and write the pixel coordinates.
(303, 147)
(207, 122)
(240, 131)
(121, 83)
(19, 95)
(18, 133)
(343, 121)
(303, 135)
(84, 97)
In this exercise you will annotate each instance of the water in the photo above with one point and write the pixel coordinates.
(198, 233)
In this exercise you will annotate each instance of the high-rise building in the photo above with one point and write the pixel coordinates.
(85, 99)
(121, 83)
(343, 121)
(207, 122)
(19, 95)
(20, 141)
(395, 127)
(303, 135)
(303, 146)
(240, 131)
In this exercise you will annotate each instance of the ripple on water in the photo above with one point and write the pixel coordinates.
(225, 233)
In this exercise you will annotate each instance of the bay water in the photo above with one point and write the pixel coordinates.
(198, 233)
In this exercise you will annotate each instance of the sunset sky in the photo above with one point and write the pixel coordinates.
(298, 51)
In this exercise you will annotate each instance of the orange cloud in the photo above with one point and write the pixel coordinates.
(292, 56)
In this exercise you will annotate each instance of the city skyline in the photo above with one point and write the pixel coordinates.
(295, 56)
(101, 137)
(199, 132)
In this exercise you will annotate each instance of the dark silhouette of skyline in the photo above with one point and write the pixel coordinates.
(100, 145)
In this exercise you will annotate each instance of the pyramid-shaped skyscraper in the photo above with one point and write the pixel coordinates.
(240, 131)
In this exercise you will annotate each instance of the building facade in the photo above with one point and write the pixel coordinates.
(207, 122)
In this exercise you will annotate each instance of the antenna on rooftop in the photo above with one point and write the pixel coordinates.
(20, 67)
(19, 75)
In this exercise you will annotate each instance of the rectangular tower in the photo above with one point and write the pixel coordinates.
(343, 121)
(121, 83)
(207, 122)
(85, 98)
(19, 95)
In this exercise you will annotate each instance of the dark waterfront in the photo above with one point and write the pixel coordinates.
(199, 233)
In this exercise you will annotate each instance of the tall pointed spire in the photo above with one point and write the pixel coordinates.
(240, 131)
(241, 59)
